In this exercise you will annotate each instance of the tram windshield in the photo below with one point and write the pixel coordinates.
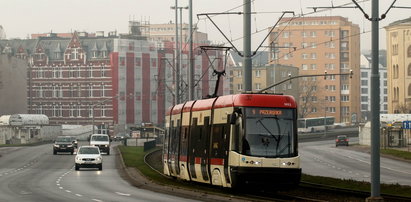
(269, 132)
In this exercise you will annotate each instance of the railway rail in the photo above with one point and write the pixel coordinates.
(306, 191)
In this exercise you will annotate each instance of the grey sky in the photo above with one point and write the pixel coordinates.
(20, 18)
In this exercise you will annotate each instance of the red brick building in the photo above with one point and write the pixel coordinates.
(110, 81)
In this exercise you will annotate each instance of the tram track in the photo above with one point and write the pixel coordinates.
(306, 191)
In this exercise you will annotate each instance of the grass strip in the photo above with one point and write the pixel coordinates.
(397, 153)
(392, 189)
(134, 157)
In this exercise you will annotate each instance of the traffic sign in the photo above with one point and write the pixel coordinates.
(406, 124)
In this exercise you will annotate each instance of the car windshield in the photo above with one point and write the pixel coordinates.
(63, 139)
(89, 150)
(269, 133)
(99, 138)
(342, 137)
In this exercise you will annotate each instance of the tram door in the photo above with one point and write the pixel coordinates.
(192, 148)
(205, 143)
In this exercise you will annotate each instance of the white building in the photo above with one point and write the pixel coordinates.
(365, 70)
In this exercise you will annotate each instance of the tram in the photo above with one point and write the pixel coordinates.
(234, 141)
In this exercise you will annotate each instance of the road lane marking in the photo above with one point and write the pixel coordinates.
(97, 200)
(122, 194)
(79, 195)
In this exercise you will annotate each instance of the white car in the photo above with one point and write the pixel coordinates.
(88, 157)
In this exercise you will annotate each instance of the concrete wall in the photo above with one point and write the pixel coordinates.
(365, 134)
(13, 85)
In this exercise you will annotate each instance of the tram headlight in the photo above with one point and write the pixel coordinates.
(287, 163)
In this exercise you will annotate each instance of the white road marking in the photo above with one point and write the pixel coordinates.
(61, 188)
(97, 200)
(122, 194)
(68, 191)
(79, 195)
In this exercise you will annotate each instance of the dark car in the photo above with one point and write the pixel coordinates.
(120, 137)
(341, 140)
(63, 144)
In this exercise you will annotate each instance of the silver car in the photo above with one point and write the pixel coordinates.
(88, 157)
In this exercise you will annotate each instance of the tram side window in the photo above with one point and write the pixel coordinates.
(236, 139)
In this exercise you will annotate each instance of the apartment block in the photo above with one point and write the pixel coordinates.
(319, 45)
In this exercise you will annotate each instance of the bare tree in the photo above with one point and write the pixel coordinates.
(403, 108)
(308, 98)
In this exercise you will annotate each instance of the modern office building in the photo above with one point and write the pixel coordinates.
(366, 85)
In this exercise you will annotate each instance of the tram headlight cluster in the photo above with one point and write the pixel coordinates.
(288, 163)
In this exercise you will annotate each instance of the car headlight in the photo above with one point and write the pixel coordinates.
(78, 158)
(69, 145)
(98, 158)
(56, 145)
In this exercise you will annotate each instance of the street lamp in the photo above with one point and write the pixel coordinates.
(100, 103)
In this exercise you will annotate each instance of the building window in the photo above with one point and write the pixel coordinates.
(364, 90)
(313, 34)
(239, 73)
(313, 55)
(409, 90)
(74, 54)
(103, 110)
(304, 67)
(313, 66)
(257, 73)
(240, 86)
(345, 98)
(409, 70)
(304, 45)
(345, 87)
(103, 90)
(138, 61)
(364, 98)
(90, 90)
(332, 99)
(409, 51)
(313, 45)
(314, 109)
(364, 74)
(364, 82)
(258, 86)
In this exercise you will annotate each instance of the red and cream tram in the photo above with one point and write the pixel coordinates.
(233, 140)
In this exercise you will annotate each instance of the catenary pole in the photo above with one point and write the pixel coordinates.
(375, 106)
(177, 59)
(247, 82)
(191, 58)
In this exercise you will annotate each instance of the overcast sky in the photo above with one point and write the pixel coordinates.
(20, 18)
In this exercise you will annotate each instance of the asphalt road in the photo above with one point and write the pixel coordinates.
(322, 158)
(35, 174)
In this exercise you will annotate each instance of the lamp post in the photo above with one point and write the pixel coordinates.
(325, 118)
(178, 50)
(99, 103)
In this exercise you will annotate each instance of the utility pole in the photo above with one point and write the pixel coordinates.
(375, 105)
(191, 57)
(177, 58)
(247, 66)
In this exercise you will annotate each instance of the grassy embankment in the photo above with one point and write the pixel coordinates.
(134, 157)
